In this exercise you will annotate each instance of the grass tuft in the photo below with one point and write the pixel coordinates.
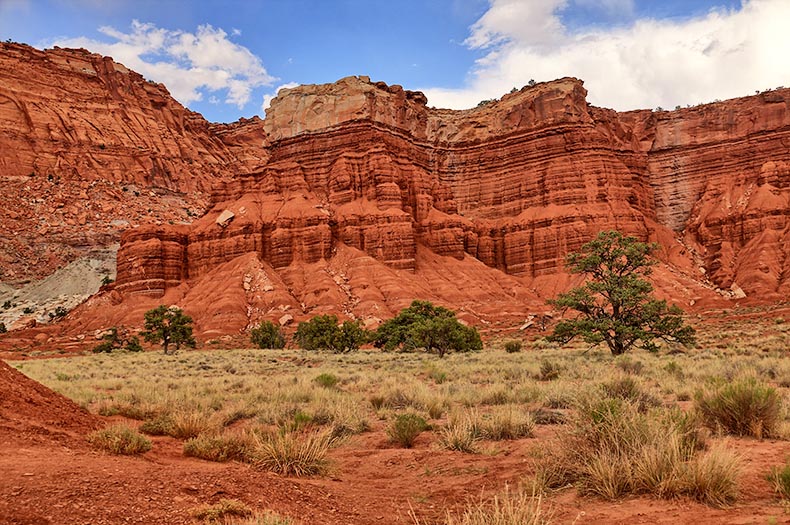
(293, 454)
(222, 512)
(219, 447)
(505, 509)
(745, 407)
(120, 439)
(779, 478)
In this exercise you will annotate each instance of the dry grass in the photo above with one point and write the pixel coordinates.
(225, 511)
(207, 396)
(293, 454)
(779, 478)
(614, 448)
(520, 508)
(120, 439)
(745, 407)
(220, 447)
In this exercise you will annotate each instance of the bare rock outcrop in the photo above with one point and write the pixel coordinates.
(356, 197)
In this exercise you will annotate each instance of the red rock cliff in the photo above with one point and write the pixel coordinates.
(365, 175)
(88, 148)
(356, 197)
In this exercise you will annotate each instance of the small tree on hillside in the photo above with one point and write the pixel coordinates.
(423, 325)
(168, 325)
(267, 335)
(322, 332)
(615, 305)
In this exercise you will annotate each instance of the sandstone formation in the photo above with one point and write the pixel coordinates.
(356, 197)
(89, 148)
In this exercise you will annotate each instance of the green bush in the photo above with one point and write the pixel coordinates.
(423, 325)
(326, 380)
(267, 335)
(405, 429)
(3, 329)
(512, 346)
(133, 344)
(322, 332)
(745, 407)
(161, 425)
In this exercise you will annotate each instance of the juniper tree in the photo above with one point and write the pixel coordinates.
(615, 305)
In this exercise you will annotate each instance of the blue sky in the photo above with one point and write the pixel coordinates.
(226, 59)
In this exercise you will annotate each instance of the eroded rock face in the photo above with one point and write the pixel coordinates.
(514, 185)
(89, 148)
(356, 197)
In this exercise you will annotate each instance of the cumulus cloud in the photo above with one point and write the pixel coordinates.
(648, 63)
(268, 97)
(189, 64)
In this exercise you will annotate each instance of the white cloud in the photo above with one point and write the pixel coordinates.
(189, 64)
(268, 97)
(649, 63)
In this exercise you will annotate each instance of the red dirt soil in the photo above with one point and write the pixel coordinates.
(49, 475)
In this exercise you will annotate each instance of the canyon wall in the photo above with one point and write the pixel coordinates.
(356, 197)
(89, 148)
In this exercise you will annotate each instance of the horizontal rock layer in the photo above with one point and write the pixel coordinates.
(356, 197)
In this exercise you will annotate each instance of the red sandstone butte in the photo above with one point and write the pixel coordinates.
(356, 197)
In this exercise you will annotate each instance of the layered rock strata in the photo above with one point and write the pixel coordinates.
(356, 197)
(89, 148)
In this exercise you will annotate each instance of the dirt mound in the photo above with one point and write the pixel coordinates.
(31, 412)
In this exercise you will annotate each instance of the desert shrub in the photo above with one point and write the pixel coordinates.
(3, 329)
(629, 389)
(512, 346)
(744, 407)
(161, 425)
(59, 313)
(267, 335)
(133, 344)
(219, 447)
(120, 439)
(405, 428)
(520, 508)
(6, 305)
(779, 478)
(549, 371)
(110, 341)
(222, 511)
(188, 424)
(507, 422)
(460, 434)
(292, 454)
(323, 333)
(433, 328)
(267, 518)
(545, 416)
(326, 380)
(628, 365)
(674, 369)
(615, 448)
(713, 478)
